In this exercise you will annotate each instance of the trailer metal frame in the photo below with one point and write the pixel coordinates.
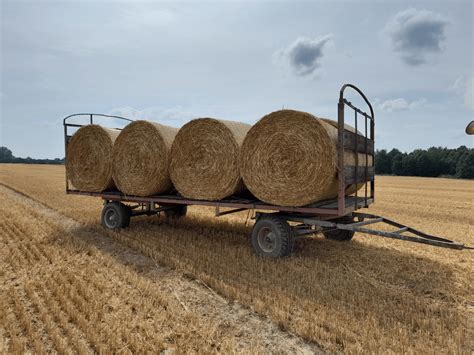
(325, 217)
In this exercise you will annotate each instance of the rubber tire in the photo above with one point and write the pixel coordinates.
(285, 238)
(341, 235)
(122, 215)
(176, 212)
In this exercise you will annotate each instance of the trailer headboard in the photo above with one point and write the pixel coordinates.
(359, 143)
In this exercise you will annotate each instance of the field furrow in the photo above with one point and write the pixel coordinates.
(78, 291)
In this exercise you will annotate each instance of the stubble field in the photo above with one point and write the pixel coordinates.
(196, 286)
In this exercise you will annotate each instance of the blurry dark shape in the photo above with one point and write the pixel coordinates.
(6, 156)
(470, 128)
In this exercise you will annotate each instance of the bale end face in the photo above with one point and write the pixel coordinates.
(89, 158)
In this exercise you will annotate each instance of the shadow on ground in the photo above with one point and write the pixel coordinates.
(326, 286)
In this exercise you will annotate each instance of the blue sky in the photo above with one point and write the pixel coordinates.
(174, 61)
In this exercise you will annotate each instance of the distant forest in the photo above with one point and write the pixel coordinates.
(6, 156)
(434, 162)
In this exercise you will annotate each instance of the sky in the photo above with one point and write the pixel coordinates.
(171, 62)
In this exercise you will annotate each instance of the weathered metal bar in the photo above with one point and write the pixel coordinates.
(402, 226)
(401, 230)
(222, 203)
(219, 213)
(446, 243)
(364, 145)
(348, 103)
(363, 174)
(366, 159)
(369, 221)
(341, 195)
(356, 159)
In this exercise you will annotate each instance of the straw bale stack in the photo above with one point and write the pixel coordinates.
(89, 158)
(205, 158)
(289, 158)
(141, 158)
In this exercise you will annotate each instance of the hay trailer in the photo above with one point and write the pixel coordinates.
(277, 227)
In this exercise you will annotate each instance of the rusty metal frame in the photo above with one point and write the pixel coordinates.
(368, 143)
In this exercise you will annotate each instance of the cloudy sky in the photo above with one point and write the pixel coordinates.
(172, 62)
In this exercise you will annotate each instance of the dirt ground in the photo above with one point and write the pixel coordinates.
(195, 284)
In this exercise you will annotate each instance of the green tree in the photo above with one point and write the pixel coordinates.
(465, 166)
(6, 155)
(383, 163)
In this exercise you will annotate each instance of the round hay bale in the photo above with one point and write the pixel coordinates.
(89, 158)
(205, 158)
(141, 158)
(289, 158)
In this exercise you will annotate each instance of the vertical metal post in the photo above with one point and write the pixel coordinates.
(366, 160)
(91, 117)
(356, 160)
(65, 154)
(341, 202)
(372, 137)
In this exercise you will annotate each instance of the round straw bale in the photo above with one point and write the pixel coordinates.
(205, 158)
(141, 157)
(289, 158)
(89, 158)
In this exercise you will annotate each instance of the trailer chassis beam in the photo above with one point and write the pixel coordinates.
(367, 219)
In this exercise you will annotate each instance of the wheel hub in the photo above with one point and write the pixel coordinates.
(111, 218)
(266, 240)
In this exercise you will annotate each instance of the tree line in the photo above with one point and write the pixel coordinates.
(6, 156)
(434, 162)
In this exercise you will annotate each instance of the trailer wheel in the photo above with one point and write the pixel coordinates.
(115, 215)
(272, 236)
(340, 235)
(176, 212)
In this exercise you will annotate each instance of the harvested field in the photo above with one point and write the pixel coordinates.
(369, 295)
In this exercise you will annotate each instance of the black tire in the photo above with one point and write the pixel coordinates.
(176, 212)
(272, 236)
(340, 235)
(115, 215)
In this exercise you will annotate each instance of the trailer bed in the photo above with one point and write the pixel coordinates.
(326, 207)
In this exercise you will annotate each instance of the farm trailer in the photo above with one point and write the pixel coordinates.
(277, 227)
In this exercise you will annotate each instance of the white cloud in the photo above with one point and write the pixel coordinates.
(416, 33)
(400, 104)
(175, 116)
(304, 54)
(462, 86)
(469, 94)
